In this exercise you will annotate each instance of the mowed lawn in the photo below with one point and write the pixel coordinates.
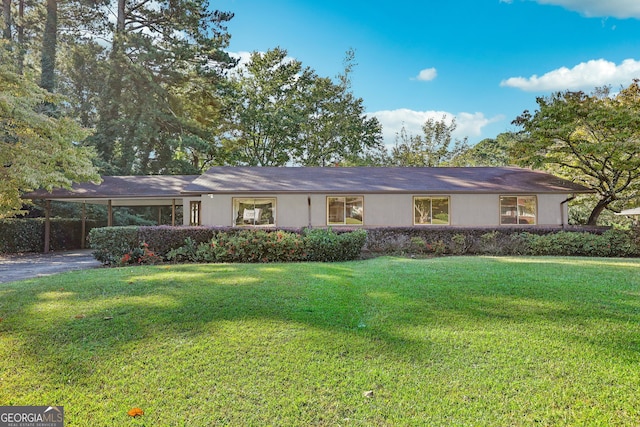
(456, 341)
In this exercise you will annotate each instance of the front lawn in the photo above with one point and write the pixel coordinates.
(383, 342)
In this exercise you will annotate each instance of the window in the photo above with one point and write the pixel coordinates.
(431, 210)
(254, 212)
(518, 210)
(345, 210)
(194, 208)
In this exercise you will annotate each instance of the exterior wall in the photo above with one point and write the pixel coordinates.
(380, 210)
(186, 208)
(551, 210)
(475, 210)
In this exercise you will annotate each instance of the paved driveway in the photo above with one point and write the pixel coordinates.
(27, 266)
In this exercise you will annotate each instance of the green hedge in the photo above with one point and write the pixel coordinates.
(27, 234)
(208, 244)
(327, 245)
(612, 243)
(244, 246)
(577, 241)
(110, 244)
(120, 245)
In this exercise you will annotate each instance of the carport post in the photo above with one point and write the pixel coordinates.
(109, 213)
(173, 213)
(47, 225)
(84, 225)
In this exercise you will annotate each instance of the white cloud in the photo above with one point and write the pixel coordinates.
(242, 57)
(600, 8)
(467, 124)
(427, 74)
(586, 75)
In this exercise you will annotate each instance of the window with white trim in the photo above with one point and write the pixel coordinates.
(254, 212)
(431, 210)
(518, 210)
(345, 210)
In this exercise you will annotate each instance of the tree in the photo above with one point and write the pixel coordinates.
(156, 48)
(23, 29)
(432, 148)
(280, 112)
(265, 109)
(49, 46)
(489, 152)
(336, 130)
(7, 19)
(592, 139)
(36, 151)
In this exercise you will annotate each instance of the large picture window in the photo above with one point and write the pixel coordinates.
(345, 210)
(251, 212)
(518, 210)
(431, 210)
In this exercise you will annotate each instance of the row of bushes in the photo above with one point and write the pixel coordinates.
(27, 235)
(118, 245)
(123, 245)
(595, 242)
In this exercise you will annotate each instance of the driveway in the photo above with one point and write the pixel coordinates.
(27, 266)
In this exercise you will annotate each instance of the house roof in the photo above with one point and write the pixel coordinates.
(634, 211)
(379, 180)
(148, 190)
(162, 190)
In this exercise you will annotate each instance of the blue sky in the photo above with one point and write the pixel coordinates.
(481, 61)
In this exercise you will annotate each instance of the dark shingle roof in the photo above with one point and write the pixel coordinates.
(113, 187)
(318, 180)
(379, 180)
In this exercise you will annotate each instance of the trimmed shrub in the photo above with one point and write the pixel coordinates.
(327, 245)
(27, 234)
(206, 244)
(140, 255)
(256, 246)
(612, 243)
(578, 241)
(110, 244)
(623, 243)
(273, 246)
(21, 235)
(163, 239)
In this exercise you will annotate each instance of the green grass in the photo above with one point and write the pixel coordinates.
(464, 341)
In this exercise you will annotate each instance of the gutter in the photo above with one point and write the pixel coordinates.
(567, 200)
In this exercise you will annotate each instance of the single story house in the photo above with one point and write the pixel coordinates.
(377, 197)
(342, 196)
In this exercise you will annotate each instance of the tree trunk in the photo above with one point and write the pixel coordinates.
(107, 129)
(6, 16)
(20, 31)
(49, 42)
(597, 210)
(121, 15)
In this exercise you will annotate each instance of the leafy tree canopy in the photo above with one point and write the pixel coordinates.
(36, 151)
(489, 152)
(592, 139)
(279, 112)
(435, 147)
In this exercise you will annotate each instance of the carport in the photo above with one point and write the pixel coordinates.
(130, 191)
